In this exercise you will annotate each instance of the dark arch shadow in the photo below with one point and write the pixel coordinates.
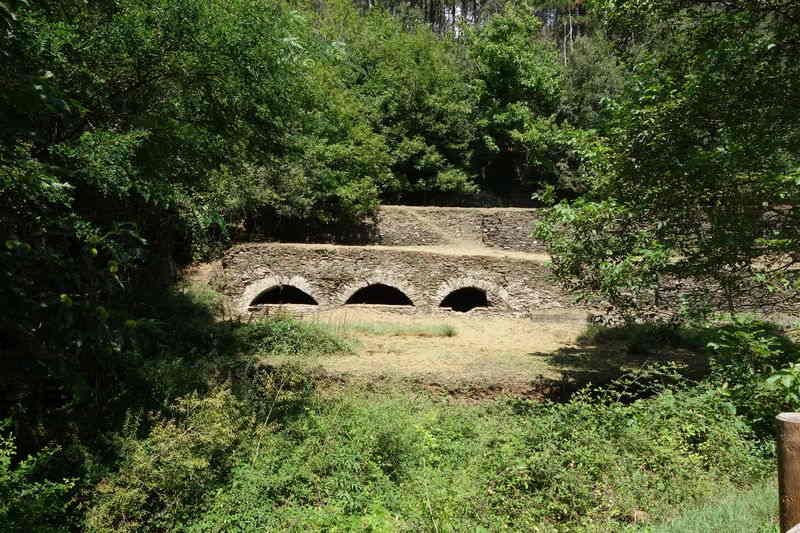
(379, 294)
(283, 294)
(465, 299)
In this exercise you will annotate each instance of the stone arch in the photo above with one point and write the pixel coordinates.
(466, 299)
(284, 294)
(349, 291)
(379, 294)
(260, 286)
(495, 295)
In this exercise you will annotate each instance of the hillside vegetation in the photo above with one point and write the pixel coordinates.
(139, 136)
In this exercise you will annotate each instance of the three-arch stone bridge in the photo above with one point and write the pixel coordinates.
(257, 277)
(420, 259)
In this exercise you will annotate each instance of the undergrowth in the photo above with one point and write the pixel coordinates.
(222, 442)
(293, 460)
(284, 336)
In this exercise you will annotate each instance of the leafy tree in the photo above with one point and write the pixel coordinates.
(521, 145)
(126, 128)
(593, 79)
(694, 201)
(417, 96)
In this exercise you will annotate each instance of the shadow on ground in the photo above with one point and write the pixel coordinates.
(606, 354)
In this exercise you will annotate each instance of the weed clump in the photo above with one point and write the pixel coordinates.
(284, 336)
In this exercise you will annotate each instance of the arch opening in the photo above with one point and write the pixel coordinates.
(284, 294)
(379, 294)
(466, 299)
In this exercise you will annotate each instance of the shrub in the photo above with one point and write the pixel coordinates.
(28, 504)
(284, 336)
(396, 462)
(164, 477)
(754, 368)
(590, 463)
(645, 337)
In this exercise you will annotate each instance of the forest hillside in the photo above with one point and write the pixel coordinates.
(661, 139)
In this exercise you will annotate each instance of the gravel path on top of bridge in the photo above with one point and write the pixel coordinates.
(455, 249)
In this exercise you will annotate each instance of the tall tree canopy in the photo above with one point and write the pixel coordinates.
(695, 199)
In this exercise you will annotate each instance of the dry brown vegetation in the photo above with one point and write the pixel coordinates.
(484, 351)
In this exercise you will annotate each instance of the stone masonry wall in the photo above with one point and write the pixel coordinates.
(331, 274)
(505, 228)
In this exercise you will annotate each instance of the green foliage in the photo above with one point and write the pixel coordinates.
(355, 462)
(203, 93)
(417, 95)
(27, 502)
(324, 470)
(587, 462)
(204, 372)
(284, 336)
(751, 363)
(645, 337)
(523, 144)
(167, 474)
(518, 73)
(593, 78)
(689, 208)
(60, 274)
(755, 367)
(123, 123)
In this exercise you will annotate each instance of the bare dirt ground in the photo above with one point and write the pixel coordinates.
(488, 356)
(486, 351)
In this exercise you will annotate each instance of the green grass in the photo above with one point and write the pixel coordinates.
(279, 457)
(249, 447)
(752, 511)
(284, 336)
(401, 330)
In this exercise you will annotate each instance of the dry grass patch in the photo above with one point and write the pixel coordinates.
(450, 349)
(399, 330)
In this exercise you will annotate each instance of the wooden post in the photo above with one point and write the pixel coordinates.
(789, 469)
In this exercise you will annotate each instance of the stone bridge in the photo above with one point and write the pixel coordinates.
(452, 269)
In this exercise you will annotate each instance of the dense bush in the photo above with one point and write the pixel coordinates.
(417, 92)
(590, 463)
(368, 462)
(520, 144)
(285, 336)
(29, 501)
(755, 367)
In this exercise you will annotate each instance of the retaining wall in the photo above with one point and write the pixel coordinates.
(504, 228)
(332, 274)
